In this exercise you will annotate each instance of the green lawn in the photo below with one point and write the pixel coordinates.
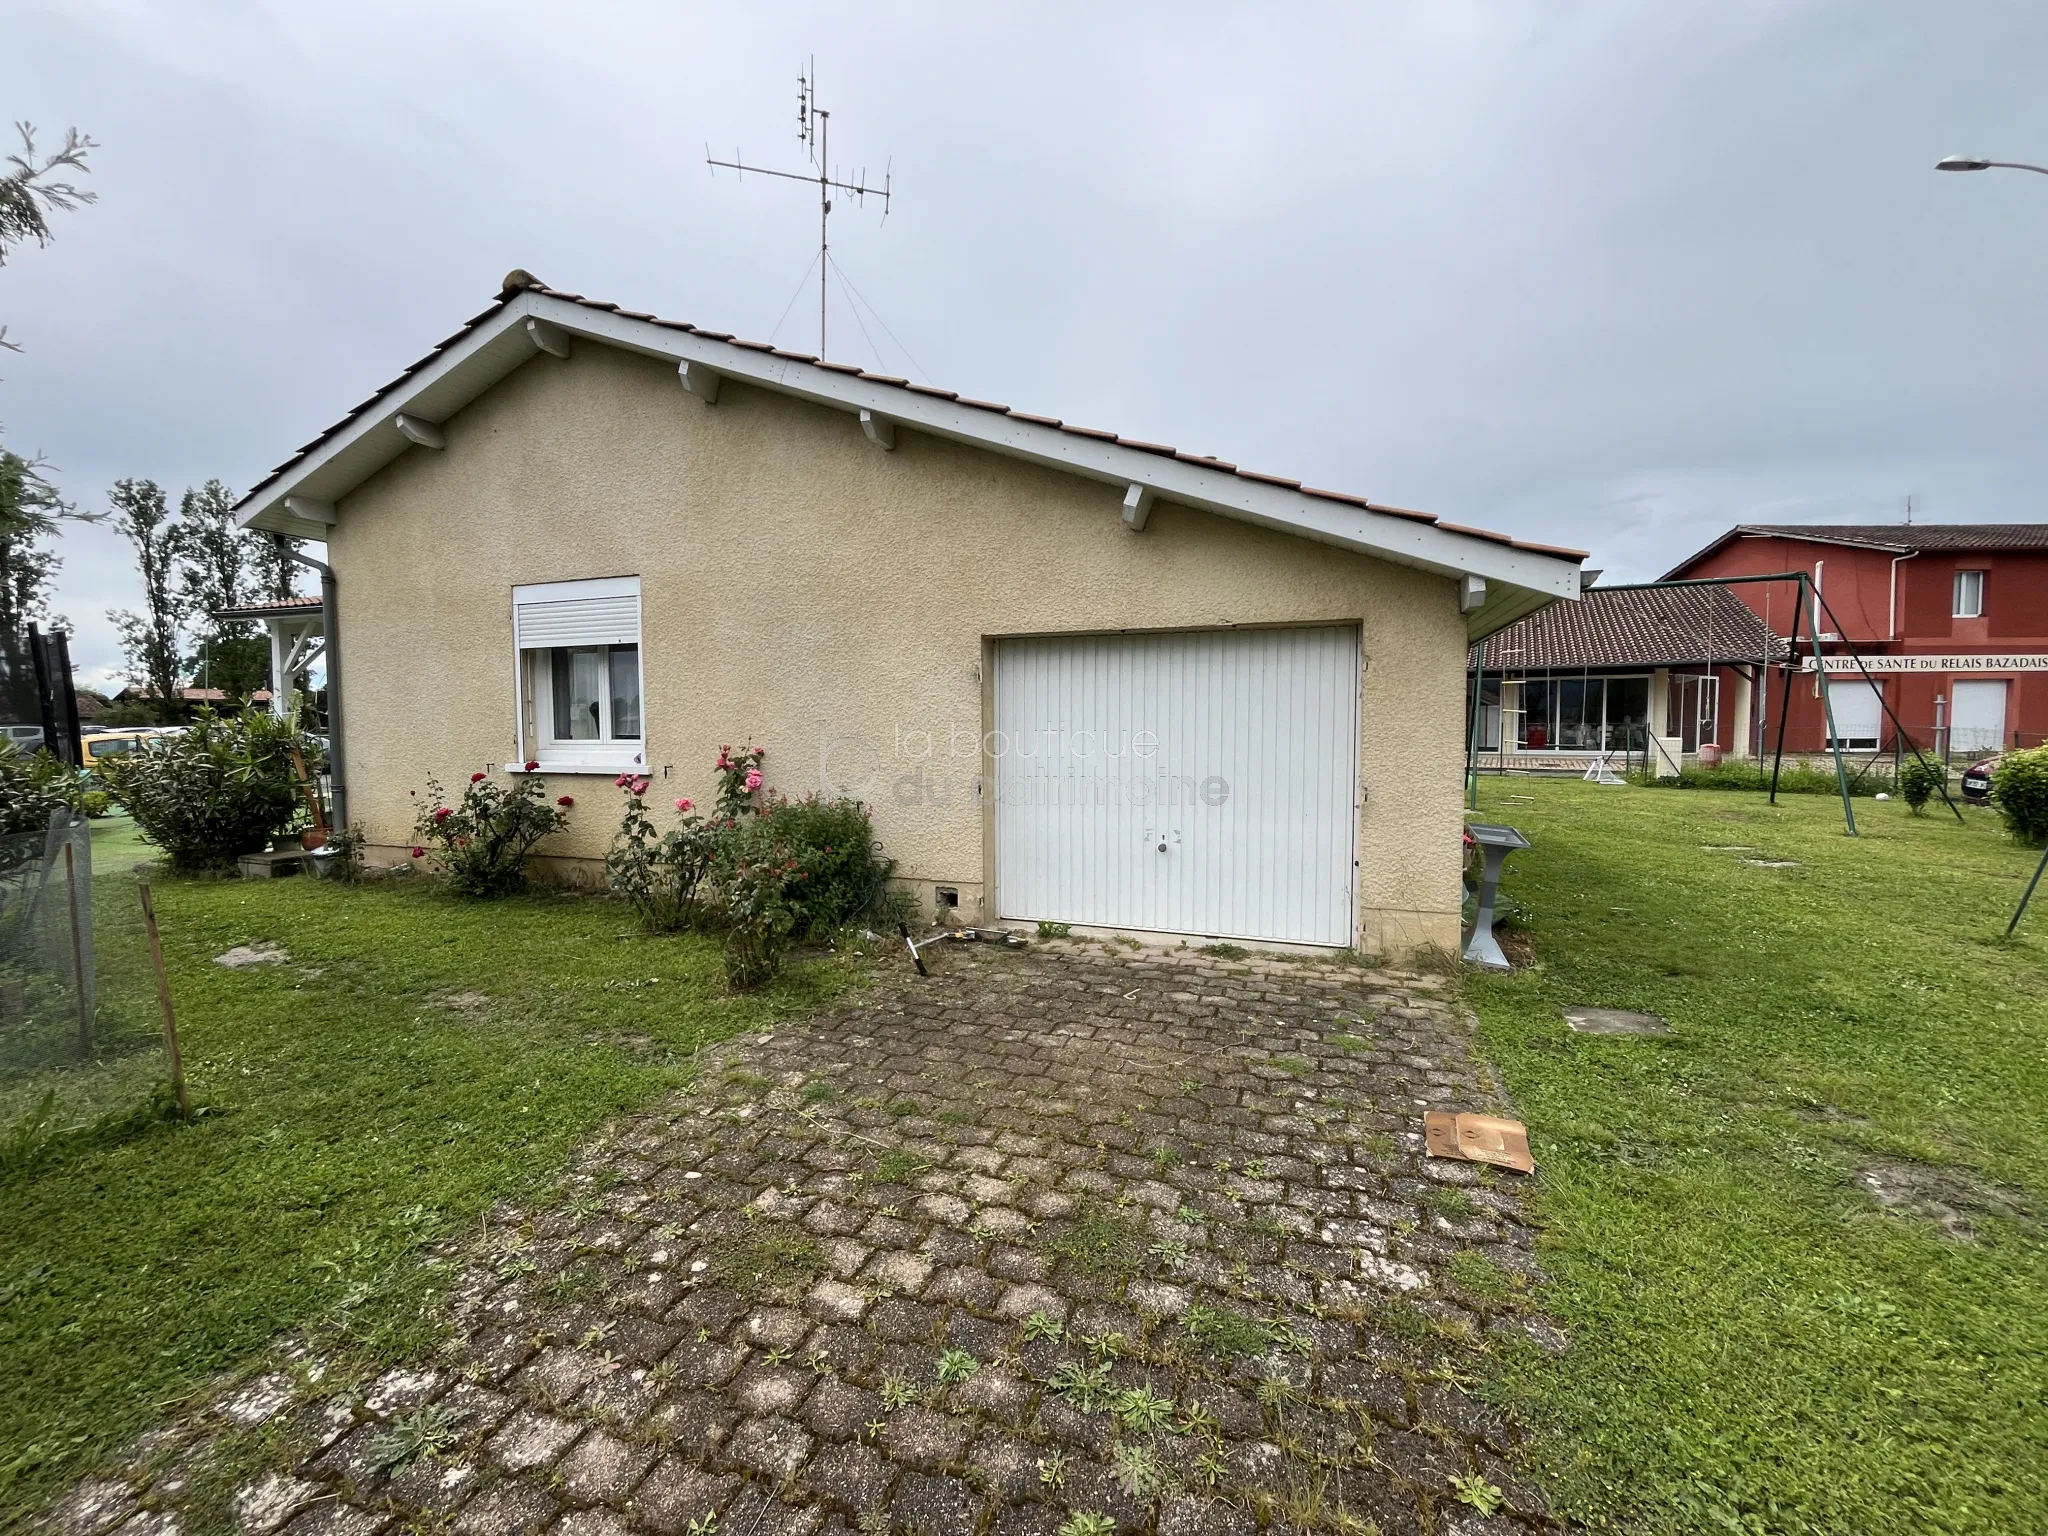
(1755, 1346)
(417, 1059)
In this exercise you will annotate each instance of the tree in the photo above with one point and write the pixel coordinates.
(29, 509)
(214, 560)
(28, 195)
(29, 505)
(273, 577)
(149, 640)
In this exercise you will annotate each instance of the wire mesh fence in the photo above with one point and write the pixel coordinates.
(80, 1035)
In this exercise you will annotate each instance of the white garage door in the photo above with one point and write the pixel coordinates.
(1976, 721)
(1186, 783)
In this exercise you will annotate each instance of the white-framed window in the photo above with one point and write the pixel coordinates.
(1969, 602)
(579, 674)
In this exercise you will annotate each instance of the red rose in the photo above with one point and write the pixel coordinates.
(476, 778)
(418, 852)
(565, 800)
(533, 767)
(442, 813)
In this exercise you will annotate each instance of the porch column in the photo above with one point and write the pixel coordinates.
(280, 685)
(1741, 726)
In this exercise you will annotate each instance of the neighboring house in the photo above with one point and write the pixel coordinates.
(189, 695)
(1950, 619)
(1078, 678)
(1619, 671)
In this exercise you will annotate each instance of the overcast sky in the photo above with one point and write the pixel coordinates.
(1615, 275)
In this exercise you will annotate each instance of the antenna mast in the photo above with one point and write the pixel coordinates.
(814, 128)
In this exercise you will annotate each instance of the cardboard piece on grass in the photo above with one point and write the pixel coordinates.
(1478, 1139)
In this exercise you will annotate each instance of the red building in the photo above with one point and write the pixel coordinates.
(1951, 620)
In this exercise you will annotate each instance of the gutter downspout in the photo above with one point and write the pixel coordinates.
(330, 622)
(1892, 622)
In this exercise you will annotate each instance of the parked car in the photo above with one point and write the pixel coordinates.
(99, 744)
(1977, 779)
(26, 738)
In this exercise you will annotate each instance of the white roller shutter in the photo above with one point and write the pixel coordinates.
(559, 613)
(1976, 718)
(1236, 750)
(1858, 711)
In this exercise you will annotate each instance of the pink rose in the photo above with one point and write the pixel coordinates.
(418, 852)
(753, 778)
(565, 801)
(685, 803)
(533, 767)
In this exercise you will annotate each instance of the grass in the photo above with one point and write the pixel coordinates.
(899, 1165)
(1101, 1243)
(1756, 1346)
(766, 1262)
(352, 1116)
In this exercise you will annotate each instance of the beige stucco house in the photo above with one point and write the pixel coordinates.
(1078, 678)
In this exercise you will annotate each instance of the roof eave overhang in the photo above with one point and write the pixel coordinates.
(1519, 580)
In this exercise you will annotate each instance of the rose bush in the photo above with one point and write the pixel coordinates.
(659, 873)
(482, 841)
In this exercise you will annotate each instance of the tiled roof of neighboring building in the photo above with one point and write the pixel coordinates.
(1639, 626)
(1899, 538)
(266, 608)
(524, 282)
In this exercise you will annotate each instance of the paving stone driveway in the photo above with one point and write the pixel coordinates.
(1078, 1240)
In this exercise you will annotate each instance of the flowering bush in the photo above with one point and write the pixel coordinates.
(482, 841)
(761, 868)
(739, 781)
(755, 874)
(660, 873)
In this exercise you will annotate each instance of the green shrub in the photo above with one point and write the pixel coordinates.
(27, 798)
(95, 803)
(833, 844)
(481, 843)
(221, 789)
(2019, 788)
(1920, 781)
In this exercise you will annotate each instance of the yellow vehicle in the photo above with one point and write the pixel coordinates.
(103, 744)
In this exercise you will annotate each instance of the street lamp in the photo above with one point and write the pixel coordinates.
(1977, 163)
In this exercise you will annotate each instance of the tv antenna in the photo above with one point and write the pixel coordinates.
(814, 128)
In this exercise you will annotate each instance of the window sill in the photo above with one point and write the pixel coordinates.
(583, 763)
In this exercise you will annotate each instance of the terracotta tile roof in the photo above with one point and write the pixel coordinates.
(529, 284)
(272, 605)
(1654, 626)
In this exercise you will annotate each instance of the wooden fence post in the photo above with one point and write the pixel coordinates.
(78, 955)
(163, 998)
